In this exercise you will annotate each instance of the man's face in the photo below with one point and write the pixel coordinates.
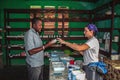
(38, 26)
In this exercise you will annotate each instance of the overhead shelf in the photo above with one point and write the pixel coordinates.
(51, 20)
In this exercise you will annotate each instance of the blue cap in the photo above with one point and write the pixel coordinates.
(92, 27)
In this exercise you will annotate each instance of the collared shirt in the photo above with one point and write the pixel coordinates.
(33, 40)
(91, 55)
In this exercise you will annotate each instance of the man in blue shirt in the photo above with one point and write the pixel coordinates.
(34, 50)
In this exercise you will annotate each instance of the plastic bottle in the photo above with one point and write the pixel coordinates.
(70, 73)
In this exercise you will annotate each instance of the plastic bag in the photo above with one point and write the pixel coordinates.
(100, 67)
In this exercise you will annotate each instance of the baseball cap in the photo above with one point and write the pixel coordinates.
(92, 27)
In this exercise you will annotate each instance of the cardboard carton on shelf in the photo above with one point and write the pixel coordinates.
(49, 23)
(65, 15)
(65, 23)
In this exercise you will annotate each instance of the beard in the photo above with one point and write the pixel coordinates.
(38, 30)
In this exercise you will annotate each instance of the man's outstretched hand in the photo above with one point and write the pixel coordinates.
(51, 43)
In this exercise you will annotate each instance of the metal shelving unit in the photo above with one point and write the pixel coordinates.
(9, 29)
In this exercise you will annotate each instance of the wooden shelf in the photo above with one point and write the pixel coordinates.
(47, 38)
(14, 37)
(79, 18)
(105, 17)
(45, 29)
(15, 47)
(51, 20)
(115, 42)
(12, 47)
(104, 29)
(17, 57)
(104, 53)
(117, 29)
(28, 11)
(8, 20)
(17, 29)
(20, 57)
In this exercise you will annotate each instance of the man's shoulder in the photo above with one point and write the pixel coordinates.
(28, 32)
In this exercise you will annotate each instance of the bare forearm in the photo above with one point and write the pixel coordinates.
(81, 52)
(36, 50)
(77, 47)
(72, 45)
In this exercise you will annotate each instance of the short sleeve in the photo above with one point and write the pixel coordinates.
(28, 39)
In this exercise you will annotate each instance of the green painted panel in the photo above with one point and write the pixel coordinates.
(18, 4)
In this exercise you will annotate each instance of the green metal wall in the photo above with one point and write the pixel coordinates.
(19, 4)
(107, 23)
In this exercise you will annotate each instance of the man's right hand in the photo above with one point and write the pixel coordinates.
(50, 43)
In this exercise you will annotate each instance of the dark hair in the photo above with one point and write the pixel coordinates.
(34, 20)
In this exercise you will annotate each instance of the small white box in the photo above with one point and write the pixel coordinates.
(80, 75)
(58, 66)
